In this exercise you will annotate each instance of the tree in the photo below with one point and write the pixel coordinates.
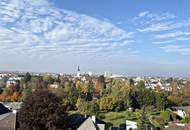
(161, 101)
(145, 97)
(22, 83)
(107, 103)
(176, 96)
(4, 96)
(86, 91)
(87, 107)
(131, 82)
(15, 97)
(141, 85)
(68, 93)
(100, 85)
(2, 83)
(120, 90)
(13, 88)
(48, 79)
(27, 77)
(143, 120)
(36, 83)
(42, 110)
(25, 93)
(187, 118)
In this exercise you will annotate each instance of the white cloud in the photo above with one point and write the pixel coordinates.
(152, 22)
(39, 27)
(171, 40)
(165, 26)
(163, 42)
(146, 17)
(172, 35)
(177, 49)
(142, 14)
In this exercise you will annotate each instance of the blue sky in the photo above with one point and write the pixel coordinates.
(129, 37)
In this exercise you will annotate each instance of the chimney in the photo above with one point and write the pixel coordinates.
(93, 119)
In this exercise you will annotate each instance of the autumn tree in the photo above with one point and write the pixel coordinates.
(22, 83)
(25, 93)
(42, 110)
(107, 103)
(86, 90)
(87, 107)
(68, 93)
(15, 97)
(4, 96)
(176, 96)
(120, 92)
(100, 85)
(36, 83)
(48, 79)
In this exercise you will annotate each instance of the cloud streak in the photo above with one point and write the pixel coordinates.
(165, 30)
(164, 26)
(39, 27)
(172, 35)
(176, 48)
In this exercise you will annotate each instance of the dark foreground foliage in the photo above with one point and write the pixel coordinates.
(42, 110)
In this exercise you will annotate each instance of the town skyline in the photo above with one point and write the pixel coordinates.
(127, 37)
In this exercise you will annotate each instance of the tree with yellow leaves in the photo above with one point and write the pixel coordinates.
(4, 96)
(15, 97)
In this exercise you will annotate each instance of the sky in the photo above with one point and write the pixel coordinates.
(131, 37)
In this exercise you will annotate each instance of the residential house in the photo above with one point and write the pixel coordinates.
(181, 111)
(54, 86)
(131, 125)
(7, 119)
(79, 122)
(177, 126)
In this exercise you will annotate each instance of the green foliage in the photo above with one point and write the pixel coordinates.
(25, 93)
(186, 120)
(143, 120)
(86, 91)
(131, 82)
(161, 100)
(141, 85)
(3, 82)
(35, 83)
(107, 103)
(87, 107)
(106, 95)
(69, 95)
(165, 115)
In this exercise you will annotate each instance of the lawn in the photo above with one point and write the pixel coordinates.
(114, 119)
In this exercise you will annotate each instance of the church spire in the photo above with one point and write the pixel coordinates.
(78, 71)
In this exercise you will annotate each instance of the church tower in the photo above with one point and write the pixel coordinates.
(78, 71)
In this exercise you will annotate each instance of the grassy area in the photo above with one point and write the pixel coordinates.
(114, 119)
